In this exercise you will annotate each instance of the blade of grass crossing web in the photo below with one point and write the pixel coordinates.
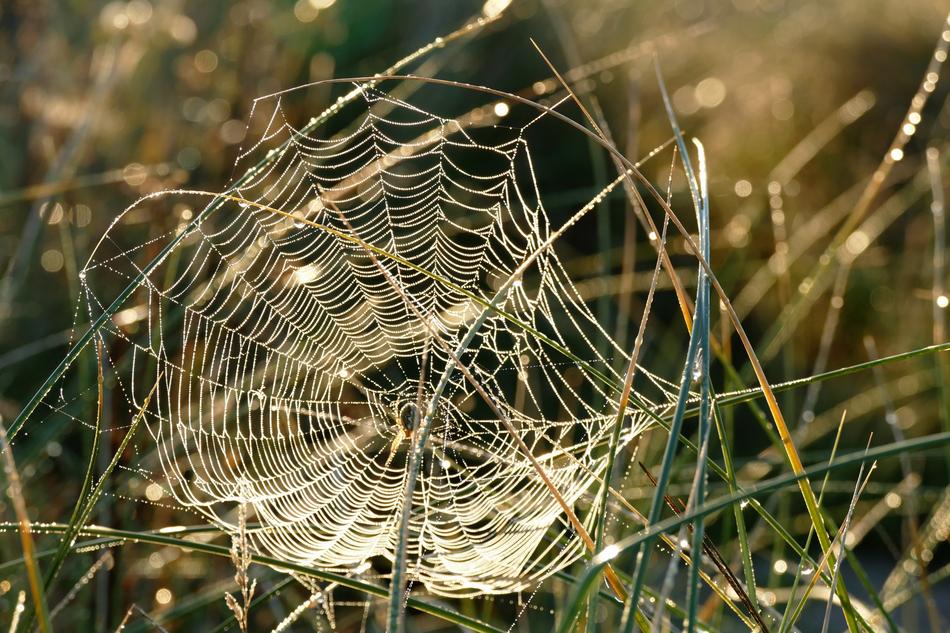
(64, 544)
(698, 372)
(706, 388)
(642, 554)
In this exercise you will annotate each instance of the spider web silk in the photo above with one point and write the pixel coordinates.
(290, 371)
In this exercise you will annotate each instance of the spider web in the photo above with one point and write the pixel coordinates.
(290, 335)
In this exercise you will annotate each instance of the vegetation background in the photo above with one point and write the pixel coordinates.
(797, 104)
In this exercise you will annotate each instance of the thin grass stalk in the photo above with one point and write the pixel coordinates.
(153, 625)
(627, 171)
(912, 529)
(637, 204)
(629, 256)
(821, 495)
(872, 592)
(597, 160)
(826, 560)
(642, 554)
(941, 302)
(828, 330)
(262, 598)
(745, 553)
(938, 211)
(858, 489)
(734, 398)
(103, 561)
(783, 173)
(396, 621)
(698, 373)
(705, 380)
(15, 492)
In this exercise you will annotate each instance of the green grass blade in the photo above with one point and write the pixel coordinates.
(632, 543)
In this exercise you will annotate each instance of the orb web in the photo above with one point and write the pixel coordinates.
(291, 372)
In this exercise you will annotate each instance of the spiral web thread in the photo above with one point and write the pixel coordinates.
(291, 370)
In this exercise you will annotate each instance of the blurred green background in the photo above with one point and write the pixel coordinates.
(101, 103)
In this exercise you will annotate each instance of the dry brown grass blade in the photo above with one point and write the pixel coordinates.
(712, 552)
(685, 304)
(15, 492)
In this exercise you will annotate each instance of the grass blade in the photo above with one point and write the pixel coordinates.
(15, 492)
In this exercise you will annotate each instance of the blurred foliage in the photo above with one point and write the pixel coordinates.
(104, 102)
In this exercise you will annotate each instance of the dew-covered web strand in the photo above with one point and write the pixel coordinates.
(289, 360)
